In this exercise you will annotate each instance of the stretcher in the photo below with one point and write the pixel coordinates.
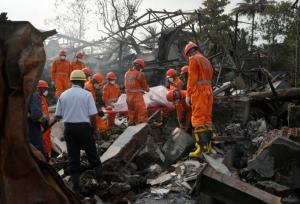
(155, 100)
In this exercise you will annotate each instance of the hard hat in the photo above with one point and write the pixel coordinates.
(77, 75)
(184, 69)
(42, 84)
(171, 73)
(174, 95)
(139, 61)
(111, 76)
(98, 77)
(87, 71)
(79, 54)
(188, 47)
(62, 52)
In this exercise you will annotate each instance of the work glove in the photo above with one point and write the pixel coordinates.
(45, 123)
(188, 100)
(100, 112)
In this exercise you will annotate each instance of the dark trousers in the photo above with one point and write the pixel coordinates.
(35, 136)
(79, 136)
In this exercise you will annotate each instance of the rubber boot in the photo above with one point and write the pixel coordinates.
(75, 181)
(202, 142)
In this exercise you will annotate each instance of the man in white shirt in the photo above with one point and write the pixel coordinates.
(77, 109)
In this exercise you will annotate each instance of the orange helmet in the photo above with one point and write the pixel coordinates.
(98, 77)
(184, 69)
(171, 73)
(42, 84)
(62, 52)
(87, 71)
(111, 76)
(188, 47)
(139, 61)
(79, 54)
(174, 95)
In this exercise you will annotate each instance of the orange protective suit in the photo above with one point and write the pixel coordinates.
(200, 91)
(47, 134)
(135, 85)
(177, 84)
(89, 86)
(60, 73)
(77, 65)
(184, 112)
(111, 93)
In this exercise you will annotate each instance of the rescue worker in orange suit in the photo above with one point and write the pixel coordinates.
(200, 97)
(173, 81)
(60, 73)
(94, 85)
(184, 112)
(184, 76)
(78, 63)
(111, 93)
(135, 87)
(88, 73)
(42, 87)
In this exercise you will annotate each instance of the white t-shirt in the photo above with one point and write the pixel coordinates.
(76, 105)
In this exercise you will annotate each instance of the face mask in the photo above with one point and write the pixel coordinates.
(112, 82)
(97, 86)
(45, 93)
(89, 78)
(62, 57)
(170, 79)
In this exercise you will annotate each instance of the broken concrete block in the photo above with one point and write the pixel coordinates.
(123, 148)
(177, 146)
(150, 154)
(217, 165)
(273, 155)
(159, 180)
(229, 189)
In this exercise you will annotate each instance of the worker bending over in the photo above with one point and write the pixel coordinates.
(77, 109)
(42, 88)
(200, 97)
(111, 93)
(60, 73)
(94, 85)
(88, 73)
(78, 63)
(173, 81)
(183, 111)
(135, 87)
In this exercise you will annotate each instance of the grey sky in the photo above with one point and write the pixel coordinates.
(37, 11)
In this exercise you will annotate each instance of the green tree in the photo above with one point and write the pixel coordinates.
(250, 8)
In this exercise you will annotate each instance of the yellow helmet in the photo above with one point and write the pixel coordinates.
(77, 75)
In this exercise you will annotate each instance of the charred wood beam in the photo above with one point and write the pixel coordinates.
(283, 94)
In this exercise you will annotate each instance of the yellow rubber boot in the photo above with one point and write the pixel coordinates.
(197, 146)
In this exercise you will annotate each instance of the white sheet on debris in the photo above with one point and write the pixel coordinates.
(155, 97)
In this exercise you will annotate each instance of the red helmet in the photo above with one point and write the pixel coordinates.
(111, 76)
(139, 61)
(79, 54)
(62, 52)
(174, 95)
(42, 84)
(184, 69)
(87, 71)
(98, 77)
(188, 47)
(171, 73)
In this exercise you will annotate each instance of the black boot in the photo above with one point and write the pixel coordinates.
(75, 181)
